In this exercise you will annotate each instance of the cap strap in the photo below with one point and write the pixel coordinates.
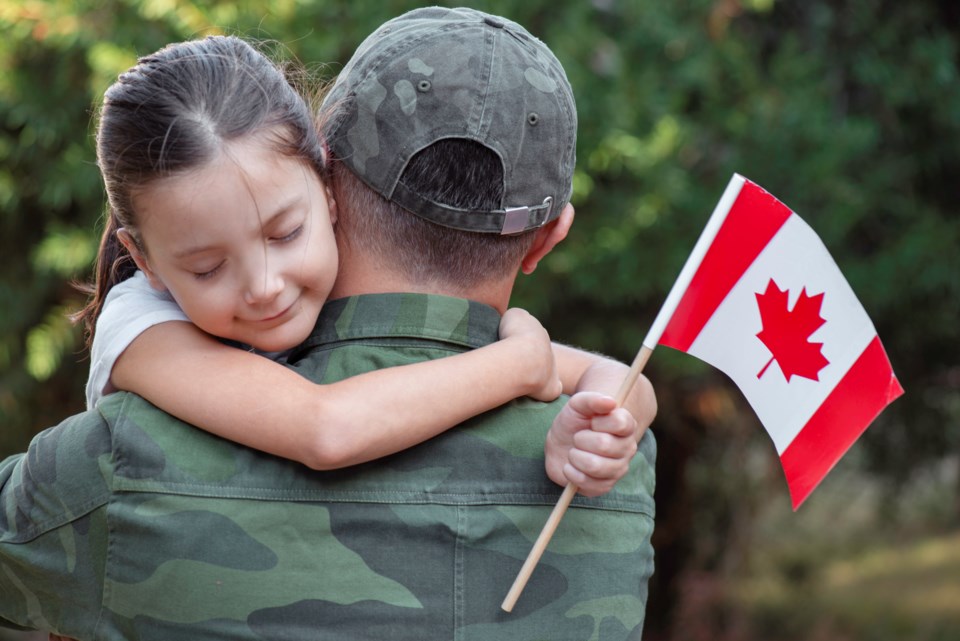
(511, 220)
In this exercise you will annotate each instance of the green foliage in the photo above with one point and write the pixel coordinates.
(48, 342)
(849, 112)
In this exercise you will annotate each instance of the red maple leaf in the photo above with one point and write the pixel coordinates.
(786, 332)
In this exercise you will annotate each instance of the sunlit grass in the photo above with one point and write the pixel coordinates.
(918, 581)
(909, 591)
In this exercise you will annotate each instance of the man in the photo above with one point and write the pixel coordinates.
(185, 536)
(455, 134)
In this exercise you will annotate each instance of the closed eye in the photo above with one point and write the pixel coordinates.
(291, 236)
(209, 273)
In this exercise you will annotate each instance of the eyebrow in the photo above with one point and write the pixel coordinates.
(284, 209)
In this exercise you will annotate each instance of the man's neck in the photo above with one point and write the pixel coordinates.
(359, 277)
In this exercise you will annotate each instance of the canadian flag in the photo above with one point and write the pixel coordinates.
(761, 299)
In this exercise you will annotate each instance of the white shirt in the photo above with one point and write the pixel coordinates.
(131, 307)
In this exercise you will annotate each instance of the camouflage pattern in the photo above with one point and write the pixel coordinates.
(436, 73)
(125, 523)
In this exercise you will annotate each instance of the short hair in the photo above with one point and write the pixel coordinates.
(457, 172)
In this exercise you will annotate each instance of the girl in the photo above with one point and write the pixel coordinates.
(219, 219)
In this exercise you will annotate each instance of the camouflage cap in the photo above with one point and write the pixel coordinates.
(437, 73)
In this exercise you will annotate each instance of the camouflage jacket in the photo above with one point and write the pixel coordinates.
(124, 523)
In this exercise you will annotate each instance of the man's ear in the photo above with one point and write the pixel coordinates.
(126, 239)
(548, 237)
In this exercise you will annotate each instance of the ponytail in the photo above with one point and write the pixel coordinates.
(114, 265)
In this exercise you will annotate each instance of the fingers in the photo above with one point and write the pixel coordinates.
(603, 415)
(588, 485)
(591, 404)
(595, 442)
(601, 456)
(617, 421)
(596, 474)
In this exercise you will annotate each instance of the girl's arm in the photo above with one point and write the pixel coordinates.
(251, 400)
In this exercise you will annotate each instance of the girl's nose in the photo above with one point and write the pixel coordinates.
(263, 286)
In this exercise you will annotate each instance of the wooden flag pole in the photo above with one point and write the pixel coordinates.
(653, 337)
(568, 493)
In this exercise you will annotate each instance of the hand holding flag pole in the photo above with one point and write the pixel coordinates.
(568, 493)
(728, 309)
(639, 362)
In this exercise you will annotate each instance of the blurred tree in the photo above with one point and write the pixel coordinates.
(849, 112)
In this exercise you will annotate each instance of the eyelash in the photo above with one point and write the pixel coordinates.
(291, 236)
(208, 274)
(283, 239)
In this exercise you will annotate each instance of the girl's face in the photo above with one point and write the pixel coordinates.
(244, 245)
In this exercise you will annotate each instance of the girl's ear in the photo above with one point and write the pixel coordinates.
(126, 239)
(331, 204)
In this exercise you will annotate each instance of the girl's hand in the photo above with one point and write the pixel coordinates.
(591, 443)
(534, 353)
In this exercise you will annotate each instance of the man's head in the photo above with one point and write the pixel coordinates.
(465, 120)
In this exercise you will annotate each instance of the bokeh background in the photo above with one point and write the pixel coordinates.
(847, 110)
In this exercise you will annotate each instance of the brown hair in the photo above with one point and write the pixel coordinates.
(170, 114)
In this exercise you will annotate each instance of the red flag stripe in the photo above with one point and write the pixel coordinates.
(858, 398)
(754, 219)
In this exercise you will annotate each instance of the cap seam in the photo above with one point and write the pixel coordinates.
(490, 39)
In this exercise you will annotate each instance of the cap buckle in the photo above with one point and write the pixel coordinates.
(517, 219)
